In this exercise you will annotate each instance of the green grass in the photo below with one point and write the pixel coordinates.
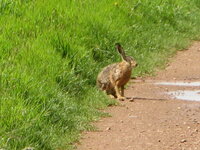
(51, 52)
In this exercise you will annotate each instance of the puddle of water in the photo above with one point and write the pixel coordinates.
(179, 83)
(186, 95)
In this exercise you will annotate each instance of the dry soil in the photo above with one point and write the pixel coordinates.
(155, 120)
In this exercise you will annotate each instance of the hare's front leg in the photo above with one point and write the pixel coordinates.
(122, 91)
(118, 94)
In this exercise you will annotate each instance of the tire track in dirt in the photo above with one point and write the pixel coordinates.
(154, 121)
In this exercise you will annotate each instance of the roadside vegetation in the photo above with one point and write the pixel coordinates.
(51, 52)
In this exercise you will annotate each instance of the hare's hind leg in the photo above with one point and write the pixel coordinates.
(111, 94)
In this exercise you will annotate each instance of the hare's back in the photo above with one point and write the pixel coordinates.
(103, 80)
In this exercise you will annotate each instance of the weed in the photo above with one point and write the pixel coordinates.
(51, 53)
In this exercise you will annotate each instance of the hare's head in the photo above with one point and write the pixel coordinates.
(128, 59)
(131, 61)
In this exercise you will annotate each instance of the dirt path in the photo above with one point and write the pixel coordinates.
(155, 120)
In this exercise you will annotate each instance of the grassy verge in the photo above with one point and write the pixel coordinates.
(51, 52)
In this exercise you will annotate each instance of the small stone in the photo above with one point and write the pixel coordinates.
(121, 121)
(188, 127)
(108, 128)
(183, 140)
(131, 116)
(179, 108)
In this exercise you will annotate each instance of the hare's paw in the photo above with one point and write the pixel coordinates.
(121, 98)
(112, 96)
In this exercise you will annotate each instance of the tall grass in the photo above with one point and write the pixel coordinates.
(51, 52)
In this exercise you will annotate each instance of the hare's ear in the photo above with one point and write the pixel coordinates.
(120, 50)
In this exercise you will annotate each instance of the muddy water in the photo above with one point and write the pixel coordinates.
(190, 84)
(185, 95)
(189, 95)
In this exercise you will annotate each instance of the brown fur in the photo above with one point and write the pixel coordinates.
(113, 78)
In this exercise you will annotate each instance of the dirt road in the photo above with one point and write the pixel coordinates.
(158, 119)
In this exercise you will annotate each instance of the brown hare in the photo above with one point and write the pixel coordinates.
(113, 78)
